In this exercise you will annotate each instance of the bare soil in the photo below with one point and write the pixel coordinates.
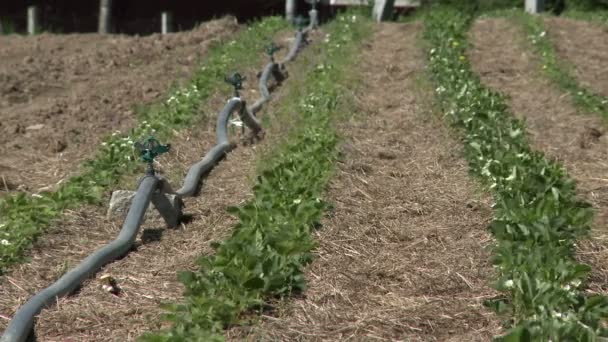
(60, 94)
(577, 140)
(585, 45)
(404, 254)
(147, 276)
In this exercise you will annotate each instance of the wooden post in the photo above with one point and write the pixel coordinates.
(290, 10)
(166, 22)
(383, 9)
(32, 20)
(535, 6)
(105, 14)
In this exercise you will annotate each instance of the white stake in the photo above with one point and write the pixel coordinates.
(105, 13)
(290, 10)
(383, 9)
(535, 6)
(32, 20)
(166, 22)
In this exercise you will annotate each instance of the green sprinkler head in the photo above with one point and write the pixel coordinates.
(236, 80)
(271, 49)
(149, 149)
(300, 22)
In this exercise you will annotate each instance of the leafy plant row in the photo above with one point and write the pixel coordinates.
(269, 247)
(559, 71)
(24, 217)
(537, 216)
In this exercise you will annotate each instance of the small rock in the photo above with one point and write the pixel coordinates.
(28, 59)
(19, 129)
(387, 155)
(121, 202)
(34, 127)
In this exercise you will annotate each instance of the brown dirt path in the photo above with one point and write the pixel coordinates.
(403, 256)
(148, 275)
(585, 45)
(578, 140)
(80, 88)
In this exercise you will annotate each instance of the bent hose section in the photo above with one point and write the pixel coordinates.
(21, 325)
(223, 146)
(295, 47)
(271, 69)
(217, 152)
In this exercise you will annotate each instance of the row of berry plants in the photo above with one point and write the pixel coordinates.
(538, 218)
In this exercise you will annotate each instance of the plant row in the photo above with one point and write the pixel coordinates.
(559, 71)
(24, 217)
(538, 218)
(265, 256)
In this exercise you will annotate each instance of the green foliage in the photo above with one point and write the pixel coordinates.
(24, 217)
(7, 26)
(269, 247)
(558, 70)
(538, 218)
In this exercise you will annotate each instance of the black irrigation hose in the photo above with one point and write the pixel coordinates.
(271, 69)
(300, 40)
(21, 325)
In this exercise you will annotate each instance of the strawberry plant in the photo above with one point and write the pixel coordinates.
(538, 218)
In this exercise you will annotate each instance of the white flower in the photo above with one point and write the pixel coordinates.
(297, 201)
(542, 34)
(4, 242)
(509, 283)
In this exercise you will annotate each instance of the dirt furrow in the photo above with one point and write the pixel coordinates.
(555, 126)
(403, 255)
(61, 94)
(585, 45)
(148, 275)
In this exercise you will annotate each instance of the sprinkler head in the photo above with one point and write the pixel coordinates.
(149, 149)
(236, 80)
(271, 49)
(300, 22)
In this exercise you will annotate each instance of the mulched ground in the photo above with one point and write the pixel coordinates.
(555, 126)
(585, 45)
(404, 255)
(60, 94)
(148, 275)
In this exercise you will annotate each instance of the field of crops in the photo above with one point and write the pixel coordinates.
(440, 178)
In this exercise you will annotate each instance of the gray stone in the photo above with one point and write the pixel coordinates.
(171, 207)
